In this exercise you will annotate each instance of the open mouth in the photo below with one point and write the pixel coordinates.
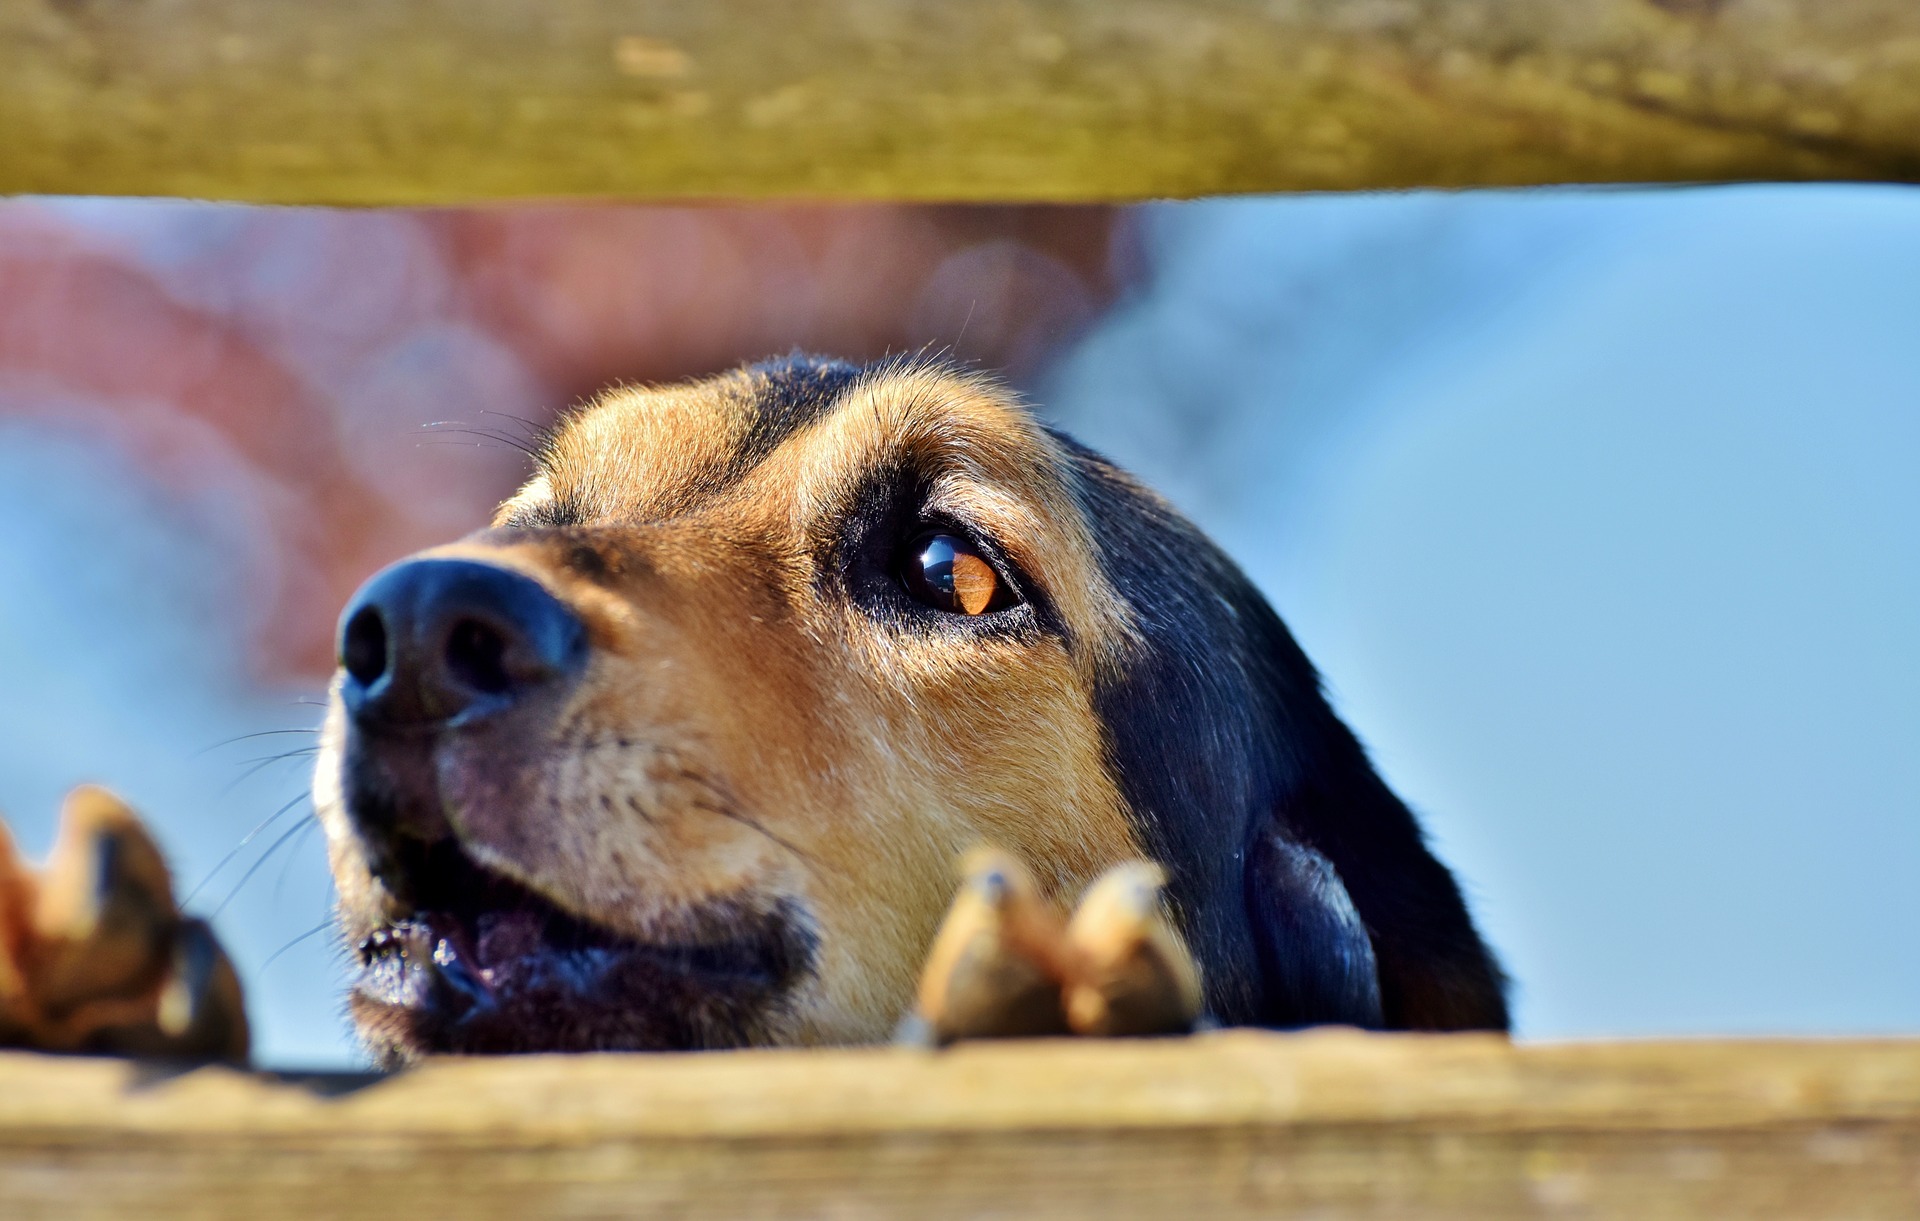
(486, 965)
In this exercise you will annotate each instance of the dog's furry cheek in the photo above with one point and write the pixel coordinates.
(863, 979)
(361, 902)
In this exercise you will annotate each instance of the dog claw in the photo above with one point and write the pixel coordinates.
(94, 956)
(201, 1011)
(105, 911)
(999, 961)
(1133, 975)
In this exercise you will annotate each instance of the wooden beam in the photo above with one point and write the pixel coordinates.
(441, 101)
(1238, 1124)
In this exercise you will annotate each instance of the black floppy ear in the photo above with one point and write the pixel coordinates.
(1316, 959)
(1303, 884)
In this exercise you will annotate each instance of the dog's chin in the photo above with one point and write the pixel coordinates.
(483, 965)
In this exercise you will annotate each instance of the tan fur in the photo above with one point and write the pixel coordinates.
(740, 736)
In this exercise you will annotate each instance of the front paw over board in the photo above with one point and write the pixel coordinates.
(1006, 964)
(94, 955)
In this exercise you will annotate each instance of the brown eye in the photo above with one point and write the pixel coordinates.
(945, 572)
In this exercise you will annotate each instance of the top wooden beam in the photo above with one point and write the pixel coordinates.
(453, 101)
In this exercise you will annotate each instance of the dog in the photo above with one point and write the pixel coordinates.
(679, 753)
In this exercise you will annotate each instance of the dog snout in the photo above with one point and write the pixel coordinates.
(436, 643)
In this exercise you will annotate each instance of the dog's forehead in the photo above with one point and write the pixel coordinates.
(799, 429)
(650, 453)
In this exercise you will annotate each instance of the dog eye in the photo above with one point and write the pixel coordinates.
(947, 573)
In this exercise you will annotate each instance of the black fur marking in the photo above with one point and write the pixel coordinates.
(561, 513)
(1224, 746)
(798, 391)
(584, 561)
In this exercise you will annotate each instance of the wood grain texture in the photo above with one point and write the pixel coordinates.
(436, 101)
(1239, 1124)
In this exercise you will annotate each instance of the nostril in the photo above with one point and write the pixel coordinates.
(363, 647)
(477, 657)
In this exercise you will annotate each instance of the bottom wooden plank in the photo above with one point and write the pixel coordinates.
(1231, 1125)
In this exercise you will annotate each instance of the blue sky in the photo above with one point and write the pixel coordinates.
(1599, 513)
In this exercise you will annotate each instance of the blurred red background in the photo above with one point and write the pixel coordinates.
(297, 354)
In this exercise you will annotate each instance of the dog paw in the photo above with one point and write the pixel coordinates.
(999, 963)
(1005, 964)
(1132, 974)
(96, 957)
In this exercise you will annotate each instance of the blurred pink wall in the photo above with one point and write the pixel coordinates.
(291, 357)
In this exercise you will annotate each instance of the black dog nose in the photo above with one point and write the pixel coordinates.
(432, 642)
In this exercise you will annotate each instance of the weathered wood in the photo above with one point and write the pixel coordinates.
(416, 101)
(1239, 1124)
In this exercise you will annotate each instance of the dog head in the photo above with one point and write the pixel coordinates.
(680, 752)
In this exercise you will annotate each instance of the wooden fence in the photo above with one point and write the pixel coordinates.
(436, 101)
(1235, 1124)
